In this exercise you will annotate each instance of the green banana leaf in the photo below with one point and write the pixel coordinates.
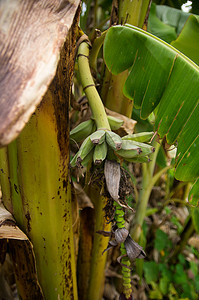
(162, 79)
(172, 3)
(188, 40)
(155, 26)
(194, 195)
(172, 16)
(195, 218)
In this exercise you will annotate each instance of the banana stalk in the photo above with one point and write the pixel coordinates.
(88, 85)
(91, 283)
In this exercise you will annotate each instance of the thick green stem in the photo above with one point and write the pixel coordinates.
(133, 12)
(88, 85)
(148, 182)
(97, 261)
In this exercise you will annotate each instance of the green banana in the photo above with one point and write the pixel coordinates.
(114, 123)
(139, 159)
(100, 153)
(145, 148)
(139, 137)
(85, 148)
(81, 131)
(86, 160)
(73, 161)
(114, 140)
(98, 137)
(129, 149)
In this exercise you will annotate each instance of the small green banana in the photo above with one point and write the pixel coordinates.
(88, 158)
(85, 148)
(97, 137)
(139, 159)
(100, 153)
(129, 149)
(145, 148)
(81, 131)
(142, 137)
(114, 140)
(114, 123)
(73, 161)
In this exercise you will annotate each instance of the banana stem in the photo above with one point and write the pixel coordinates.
(88, 85)
(133, 12)
(147, 184)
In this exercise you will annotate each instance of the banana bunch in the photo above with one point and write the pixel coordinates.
(95, 146)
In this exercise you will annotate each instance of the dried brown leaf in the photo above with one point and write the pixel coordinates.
(22, 255)
(133, 249)
(112, 175)
(8, 229)
(31, 36)
(121, 235)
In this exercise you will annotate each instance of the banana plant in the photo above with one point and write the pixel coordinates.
(38, 197)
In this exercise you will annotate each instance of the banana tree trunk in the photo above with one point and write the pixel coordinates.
(35, 181)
